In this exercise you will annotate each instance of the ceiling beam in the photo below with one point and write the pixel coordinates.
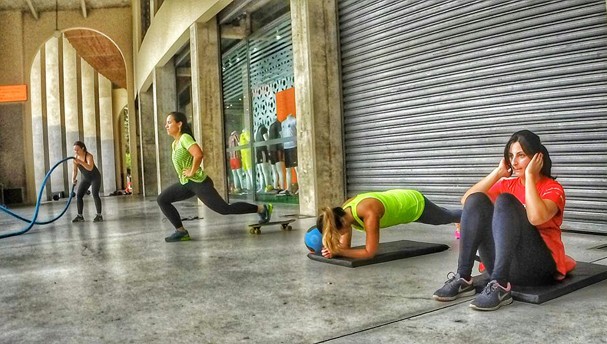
(32, 9)
(83, 6)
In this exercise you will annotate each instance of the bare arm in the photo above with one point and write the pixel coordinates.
(538, 210)
(486, 183)
(371, 211)
(345, 241)
(196, 152)
(75, 172)
(88, 163)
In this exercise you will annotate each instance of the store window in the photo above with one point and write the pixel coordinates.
(145, 17)
(259, 109)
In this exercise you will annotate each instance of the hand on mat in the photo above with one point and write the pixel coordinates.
(326, 253)
(535, 165)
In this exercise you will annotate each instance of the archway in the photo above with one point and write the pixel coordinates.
(75, 78)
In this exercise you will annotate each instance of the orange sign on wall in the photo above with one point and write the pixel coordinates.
(13, 93)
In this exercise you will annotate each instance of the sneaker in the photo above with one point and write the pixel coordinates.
(98, 218)
(78, 218)
(178, 236)
(492, 297)
(454, 287)
(266, 215)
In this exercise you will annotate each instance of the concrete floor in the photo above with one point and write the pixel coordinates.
(119, 282)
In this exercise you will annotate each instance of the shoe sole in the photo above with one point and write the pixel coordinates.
(182, 239)
(503, 303)
(453, 298)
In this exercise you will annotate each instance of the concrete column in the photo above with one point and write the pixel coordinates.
(70, 99)
(53, 115)
(147, 136)
(38, 143)
(89, 114)
(121, 134)
(206, 100)
(106, 133)
(318, 101)
(165, 101)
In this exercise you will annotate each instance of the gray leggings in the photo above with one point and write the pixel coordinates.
(206, 192)
(435, 215)
(85, 183)
(511, 248)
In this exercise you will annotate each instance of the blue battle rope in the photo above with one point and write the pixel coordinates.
(33, 221)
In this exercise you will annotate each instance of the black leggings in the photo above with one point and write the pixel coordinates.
(510, 247)
(205, 191)
(435, 215)
(85, 183)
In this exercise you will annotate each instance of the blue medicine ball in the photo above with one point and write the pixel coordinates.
(313, 239)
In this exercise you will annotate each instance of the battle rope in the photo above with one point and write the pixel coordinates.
(33, 221)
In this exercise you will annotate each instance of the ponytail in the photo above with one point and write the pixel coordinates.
(547, 163)
(329, 222)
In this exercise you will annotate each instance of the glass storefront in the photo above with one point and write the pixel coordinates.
(260, 116)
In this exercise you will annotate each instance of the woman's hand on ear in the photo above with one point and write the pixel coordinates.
(535, 166)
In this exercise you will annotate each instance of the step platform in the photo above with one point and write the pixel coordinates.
(386, 252)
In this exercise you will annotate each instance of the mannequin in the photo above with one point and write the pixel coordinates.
(236, 162)
(277, 156)
(245, 154)
(263, 163)
(289, 130)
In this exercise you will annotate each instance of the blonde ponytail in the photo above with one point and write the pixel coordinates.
(330, 230)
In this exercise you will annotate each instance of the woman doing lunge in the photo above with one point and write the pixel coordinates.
(193, 181)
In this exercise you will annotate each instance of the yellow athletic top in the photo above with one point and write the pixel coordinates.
(401, 207)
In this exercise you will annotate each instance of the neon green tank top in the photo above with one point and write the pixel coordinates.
(182, 159)
(400, 207)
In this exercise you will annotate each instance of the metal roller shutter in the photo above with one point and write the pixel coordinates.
(433, 90)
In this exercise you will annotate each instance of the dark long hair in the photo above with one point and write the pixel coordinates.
(531, 144)
(82, 146)
(181, 117)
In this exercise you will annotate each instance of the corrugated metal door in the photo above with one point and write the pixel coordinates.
(433, 90)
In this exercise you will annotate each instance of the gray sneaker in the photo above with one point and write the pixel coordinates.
(454, 287)
(178, 236)
(78, 218)
(492, 297)
(98, 218)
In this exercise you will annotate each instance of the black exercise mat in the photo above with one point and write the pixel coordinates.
(386, 252)
(582, 276)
